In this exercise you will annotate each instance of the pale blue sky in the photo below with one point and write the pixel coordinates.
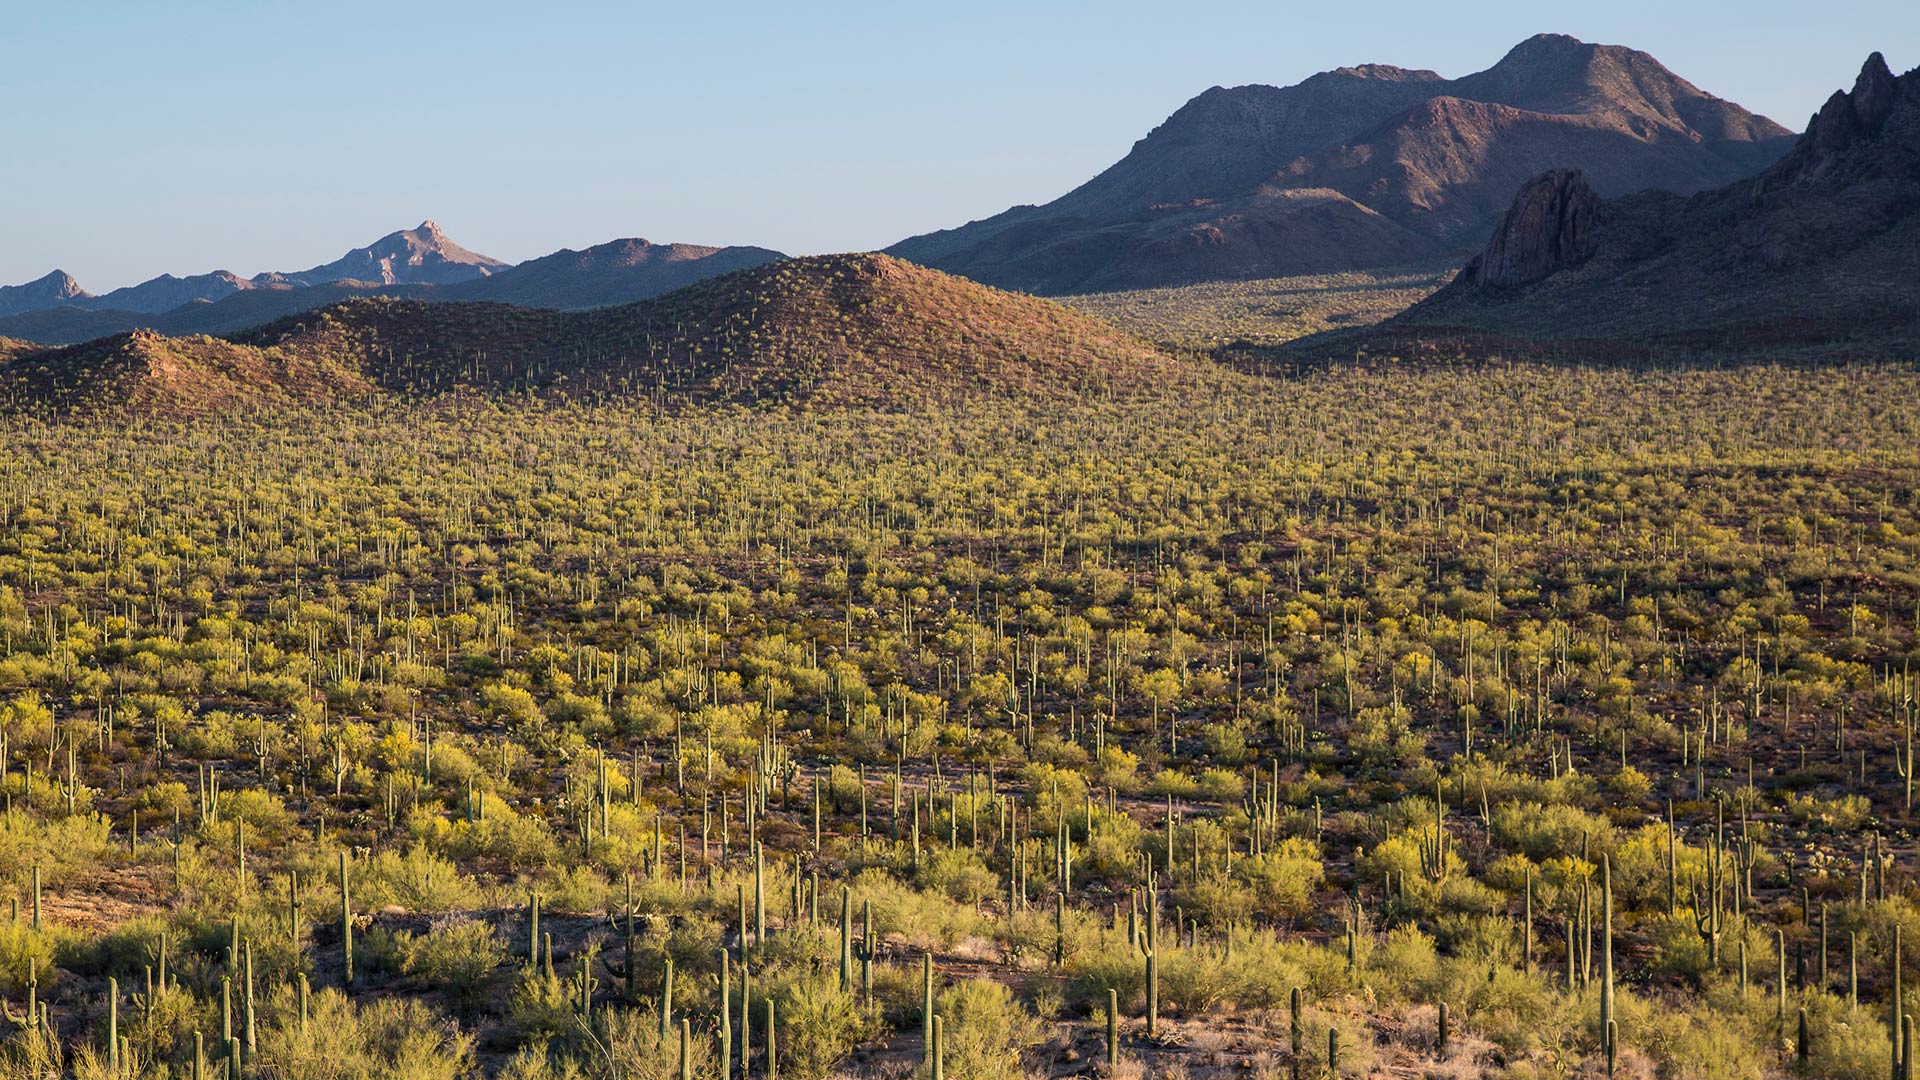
(189, 136)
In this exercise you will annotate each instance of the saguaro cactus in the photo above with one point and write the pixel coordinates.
(746, 1016)
(1893, 1006)
(1780, 983)
(938, 1055)
(773, 1057)
(533, 929)
(346, 926)
(846, 940)
(1433, 849)
(1526, 927)
(1296, 1030)
(666, 1001)
(1113, 1027)
(1607, 1029)
(113, 1026)
(1153, 985)
(726, 1014)
(926, 1001)
(867, 950)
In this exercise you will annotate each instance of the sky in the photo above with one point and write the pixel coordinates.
(254, 135)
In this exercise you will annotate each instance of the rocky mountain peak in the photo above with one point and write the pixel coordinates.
(1873, 93)
(1849, 118)
(418, 256)
(60, 284)
(1548, 229)
(50, 291)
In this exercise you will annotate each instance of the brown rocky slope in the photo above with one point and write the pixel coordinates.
(1821, 249)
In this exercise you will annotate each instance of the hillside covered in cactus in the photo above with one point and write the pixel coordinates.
(1487, 720)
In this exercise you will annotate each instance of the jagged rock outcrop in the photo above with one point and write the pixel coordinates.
(1550, 228)
(1846, 118)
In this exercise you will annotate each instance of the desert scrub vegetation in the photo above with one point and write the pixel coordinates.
(1516, 720)
(1265, 311)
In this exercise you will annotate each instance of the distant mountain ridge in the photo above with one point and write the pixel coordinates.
(1360, 167)
(617, 272)
(52, 291)
(418, 256)
(421, 263)
(1820, 249)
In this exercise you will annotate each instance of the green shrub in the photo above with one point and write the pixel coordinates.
(987, 1033)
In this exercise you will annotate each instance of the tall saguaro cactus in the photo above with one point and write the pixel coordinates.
(1433, 850)
(846, 940)
(1894, 1029)
(1608, 1032)
(533, 930)
(1151, 947)
(346, 926)
(926, 1004)
(666, 1002)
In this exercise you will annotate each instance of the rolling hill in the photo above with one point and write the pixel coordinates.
(1360, 167)
(840, 329)
(1822, 248)
(143, 372)
(9, 349)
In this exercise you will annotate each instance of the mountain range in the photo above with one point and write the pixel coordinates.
(421, 263)
(1822, 248)
(1360, 167)
(422, 256)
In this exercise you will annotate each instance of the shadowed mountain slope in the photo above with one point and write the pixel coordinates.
(1360, 167)
(1824, 246)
